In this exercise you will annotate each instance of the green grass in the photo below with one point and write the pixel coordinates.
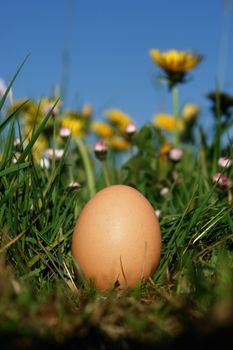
(42, 303)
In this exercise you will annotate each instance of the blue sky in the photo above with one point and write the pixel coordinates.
(107, 43)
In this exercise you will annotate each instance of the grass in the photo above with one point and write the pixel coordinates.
(188, 302)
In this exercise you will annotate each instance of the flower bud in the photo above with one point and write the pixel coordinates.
(190, 112)
(224, 162)
(2, 87)
(130, 129)
(176, 154)
(16, 157)
(74, 185)
(222, 180)
(65, 132)
(164, 191)
(87, 111)
(17, 145)
(100, 149)
(56, 153)
(44, 163)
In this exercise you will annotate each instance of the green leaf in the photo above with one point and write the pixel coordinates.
(147, 138)
(3, 99)
(36, 134)
(8, 146)
(14, 168)
(9, 118)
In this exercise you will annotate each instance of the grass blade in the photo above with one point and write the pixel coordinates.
(36, 134)
(3, 99)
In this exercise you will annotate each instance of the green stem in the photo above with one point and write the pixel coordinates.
(175, 106)
(87, 166)
(54, 143)
(218, 133)
(70, 171)
(105, 172)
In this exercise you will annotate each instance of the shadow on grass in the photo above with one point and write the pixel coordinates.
(95, 339)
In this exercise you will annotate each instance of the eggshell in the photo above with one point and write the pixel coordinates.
(117, 237)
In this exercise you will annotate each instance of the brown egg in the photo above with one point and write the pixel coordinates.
(117, 238)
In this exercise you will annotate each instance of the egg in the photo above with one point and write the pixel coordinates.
(117, 238)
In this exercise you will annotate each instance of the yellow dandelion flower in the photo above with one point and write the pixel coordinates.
(190, 112)
(165, 149)
(46, 104)
(70, 114)
(118, 143)
(167, 122)
(175, 63)
(119, 118)
(23, 104)
(85, 113)
(39, 147)
(76, 126)
(102, 129)
(32, 116)
(32, 111)
(87, 110)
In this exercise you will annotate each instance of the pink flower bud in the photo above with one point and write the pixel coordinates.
(130, 128)
(176, 154)
(74, 185)
(2, 87)
(222, 180)
(44, 163)
(16, 157)
(224, 162)
(164, 191)
(100, 146)
(56, 153)
(100, 149)
(65, 132)
(16, 142)
(49, 106)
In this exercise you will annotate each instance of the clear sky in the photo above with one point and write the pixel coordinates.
(106, 44)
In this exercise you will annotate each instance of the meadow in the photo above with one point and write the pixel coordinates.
(53, 160)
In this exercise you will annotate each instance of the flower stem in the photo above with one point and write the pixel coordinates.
(218, 132)
(70, 172)
(87, 166)
(105, 172)
(54, 143)
(175, 106)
